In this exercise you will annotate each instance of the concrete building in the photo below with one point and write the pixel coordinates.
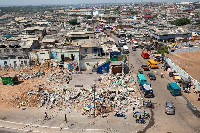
(171, 34)
(98, 12)
(80, 11)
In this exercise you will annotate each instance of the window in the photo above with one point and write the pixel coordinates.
(5, 62)
(25, 62)
(86, 50)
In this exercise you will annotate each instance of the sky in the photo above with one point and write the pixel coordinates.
(63, 2)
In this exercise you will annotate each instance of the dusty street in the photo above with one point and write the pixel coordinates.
(184, 120)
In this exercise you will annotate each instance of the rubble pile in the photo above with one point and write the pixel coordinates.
(29, 99)
(26, 76)
(112, 93)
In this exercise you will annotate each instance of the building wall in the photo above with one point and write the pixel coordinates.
(11, 51)
(123, 26)
(81, 12)
(89, 63)
(98, 12)
(68, 54)
(43, 55)
(169, 36)
(14, 62)
(89, 50)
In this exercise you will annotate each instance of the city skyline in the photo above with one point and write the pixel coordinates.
(65, 2)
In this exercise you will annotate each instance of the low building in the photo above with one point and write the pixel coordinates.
(171, 34)
(13, 61)
(40, 31)
(98, 12)
(147, 17)
(80, 11)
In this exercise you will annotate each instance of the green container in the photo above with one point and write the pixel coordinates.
(9, 80)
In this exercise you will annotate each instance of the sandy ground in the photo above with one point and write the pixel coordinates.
(188, 61)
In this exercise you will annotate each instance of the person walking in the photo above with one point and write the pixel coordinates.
(46, 116)
(161, 75)
(188, 90)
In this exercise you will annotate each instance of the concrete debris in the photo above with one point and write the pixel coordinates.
(27, 76)
(112, 93)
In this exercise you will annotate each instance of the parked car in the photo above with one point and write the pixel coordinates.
(188, 45)
(151, 76)
(134, 48)
(169, 108)
(140, 71)
(145, 67)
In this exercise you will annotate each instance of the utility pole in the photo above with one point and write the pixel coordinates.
(94, 87)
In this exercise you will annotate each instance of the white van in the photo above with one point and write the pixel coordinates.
(125, 49)
(135, 44)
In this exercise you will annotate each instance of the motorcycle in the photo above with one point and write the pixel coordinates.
(140, 121)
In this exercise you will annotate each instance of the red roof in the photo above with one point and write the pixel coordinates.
(146, 9)
(147, 16)
(188, 10)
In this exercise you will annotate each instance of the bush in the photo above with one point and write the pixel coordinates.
(162, 50)
(134, 12)
(181, 21)
(73, 21)
(88, 16)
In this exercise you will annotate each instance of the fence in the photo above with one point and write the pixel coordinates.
(186, 49)
(195, 82)
(183, 73)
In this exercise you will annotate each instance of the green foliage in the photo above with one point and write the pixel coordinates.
(181, 21)
(134, 12)
(197, 23)
(25, 9)
(88, 16)
(73, 21)
(155, 16)
(162, 50)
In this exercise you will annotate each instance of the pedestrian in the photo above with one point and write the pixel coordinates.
(65, 118)
(133, 108)
(140, 116)
(185, 90)
(161, 75)
(46, 116)
(188, 90)
(144, 112)
(135, 115)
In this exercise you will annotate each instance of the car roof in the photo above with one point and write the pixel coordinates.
(150, 73)
(174, 85)
(169, 104)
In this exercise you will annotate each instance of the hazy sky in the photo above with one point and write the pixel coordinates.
(60, 2)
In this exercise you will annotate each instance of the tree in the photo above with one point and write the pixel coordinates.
(155, 16)
(73, 21)
(162, 50)
(88, 16)
(181, 21)
(134, 12)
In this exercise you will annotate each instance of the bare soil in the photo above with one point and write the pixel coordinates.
(188, 61)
